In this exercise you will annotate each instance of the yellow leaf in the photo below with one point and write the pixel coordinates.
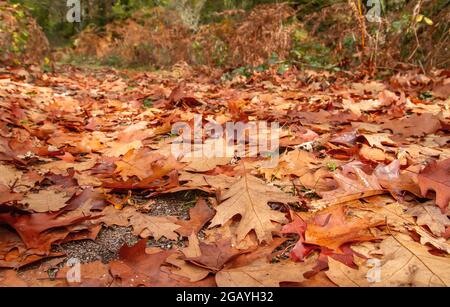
(428, 21)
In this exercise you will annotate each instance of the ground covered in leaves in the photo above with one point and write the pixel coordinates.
(359, 196)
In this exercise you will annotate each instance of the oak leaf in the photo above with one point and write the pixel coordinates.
(213, 256)
(297, 162)
(94, 274)
(263, 274)
(404, 263)
(117, 149)
(7, 196)
(199, 216)
(135, 268)
(436, 176)
(378, 140)
(430, 216)
(137, 163)
(185, 269)
(353, 183)
(394, 180)
(45, 201)
(415, 125)
(249, 197)
(143, 225)
(336, 225)
(211, 153)
(13, 252)
(9, 175)
(202, 181)
(39, 230)
(427, 238)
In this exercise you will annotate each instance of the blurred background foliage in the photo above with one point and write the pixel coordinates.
(245, 35)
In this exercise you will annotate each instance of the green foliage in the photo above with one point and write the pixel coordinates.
(312, 54)
(212, 7)
(317, 44)
(332, 166)
(426, 96)
(148, 103)
(114, 61)
(21, 40)
(220, 52)
(123, 9)
(311, 6)
(51, 14)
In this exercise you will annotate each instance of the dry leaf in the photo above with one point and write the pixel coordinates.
(436, 176)
(404, 263)
(430, 216)
(263, 274)
(249, 198)
(143, 225)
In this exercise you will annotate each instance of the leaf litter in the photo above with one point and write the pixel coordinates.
(88, 174)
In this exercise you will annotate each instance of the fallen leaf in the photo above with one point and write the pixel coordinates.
(213, 256)
(45, 201)
(263, 274)
(436, 176)
(353, 183)
(94, 274)
(404, 263)
(430, 216)
(187, 270)
(34, 229)
(199, 216)
(249, 197)
(336, 225)
(143, 225)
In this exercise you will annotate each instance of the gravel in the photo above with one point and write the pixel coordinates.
(105, 248)
(110, 239)
(176, 204)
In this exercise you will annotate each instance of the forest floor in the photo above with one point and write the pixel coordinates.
(94, 194)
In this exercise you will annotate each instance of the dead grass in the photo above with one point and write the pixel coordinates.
(333, 35)
(159, 37)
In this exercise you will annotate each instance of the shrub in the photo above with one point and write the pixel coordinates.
(22, 41)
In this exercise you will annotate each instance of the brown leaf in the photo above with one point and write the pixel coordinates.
(199, 216)
(201, 180)
(137, 268)
(45, 201)
(249, 197)
(14, 254)
(143, 225)
(7, 196)
(353, 183)
(430, 216)
(263, 274)
(192, 272)
(436, 176)
(9, 175)
(336, 225)
(39, 230)
(396, 181)
(416, 125)
(405, 263)
(215, 255)
(94, 274)
(297, 162)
